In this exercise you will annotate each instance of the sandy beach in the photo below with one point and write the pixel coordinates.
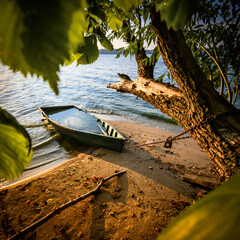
(136, 205)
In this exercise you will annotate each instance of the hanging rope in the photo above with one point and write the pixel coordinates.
(41, 144)
(35, 125)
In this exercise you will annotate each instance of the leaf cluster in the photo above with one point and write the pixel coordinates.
(97, 16)
(176, 13)
(137, 32)
(213, 36)
(31, 43)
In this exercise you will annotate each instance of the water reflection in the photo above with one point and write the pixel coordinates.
(76, 119)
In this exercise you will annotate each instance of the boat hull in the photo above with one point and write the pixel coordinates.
(105, 139)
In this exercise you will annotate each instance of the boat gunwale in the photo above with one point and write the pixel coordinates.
(80, 131)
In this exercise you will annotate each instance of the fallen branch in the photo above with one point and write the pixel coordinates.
(34, 225)
(199, 183)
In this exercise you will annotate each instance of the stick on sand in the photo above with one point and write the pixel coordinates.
(34, 225)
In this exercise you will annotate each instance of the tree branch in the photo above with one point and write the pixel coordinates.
(167, 98)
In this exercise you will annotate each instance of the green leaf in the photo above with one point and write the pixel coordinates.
(15, 147)
(176, 13)
(169, 75)
(89, 52)
(145, 14)
(118, 55)
(127, 4)
(74, 57)
(98, 11)
(105, 42)
(37, 36)
(216, 216)
(114, 22)
(160, 78)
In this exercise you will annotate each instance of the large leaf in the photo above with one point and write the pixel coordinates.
(176, 13)
(74, 57)
(37, 36)
(89, 52)
(216, 216)
(15, 147)
(105, 42)
(127, 4)
(114, 22)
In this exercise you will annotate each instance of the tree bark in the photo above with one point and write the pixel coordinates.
(144, 69)
(195, 103)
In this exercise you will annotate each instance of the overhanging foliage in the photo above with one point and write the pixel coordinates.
(216, 216)
(15, 147)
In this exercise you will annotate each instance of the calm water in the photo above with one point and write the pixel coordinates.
(84, 86)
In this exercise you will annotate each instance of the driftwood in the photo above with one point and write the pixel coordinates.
(36, 224)
(199, 183)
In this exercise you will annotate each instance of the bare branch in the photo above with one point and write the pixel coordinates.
(167, 98)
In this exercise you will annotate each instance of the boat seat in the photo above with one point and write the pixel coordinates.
(111, 132)
(107, 128)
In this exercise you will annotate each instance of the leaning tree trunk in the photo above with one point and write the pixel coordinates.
(194, 104)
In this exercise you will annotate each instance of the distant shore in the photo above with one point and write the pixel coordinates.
(104, 51)
(137, 205)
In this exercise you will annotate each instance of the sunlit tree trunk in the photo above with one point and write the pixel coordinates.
(194, 104)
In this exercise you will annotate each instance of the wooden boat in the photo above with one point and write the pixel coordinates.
(78, 125)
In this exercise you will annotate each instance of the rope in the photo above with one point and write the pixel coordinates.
(153, 143)
(41, 144)
(170, 139)
(34, 125)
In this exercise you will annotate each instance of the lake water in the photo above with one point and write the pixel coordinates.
(84, 86)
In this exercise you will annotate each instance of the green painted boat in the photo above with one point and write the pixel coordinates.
(79, 125)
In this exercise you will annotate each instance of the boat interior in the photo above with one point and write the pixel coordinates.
(109, 130)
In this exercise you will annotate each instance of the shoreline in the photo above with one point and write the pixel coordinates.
(36, 171)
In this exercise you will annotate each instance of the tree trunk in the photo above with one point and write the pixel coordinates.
(144, 69)
(214, 123)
